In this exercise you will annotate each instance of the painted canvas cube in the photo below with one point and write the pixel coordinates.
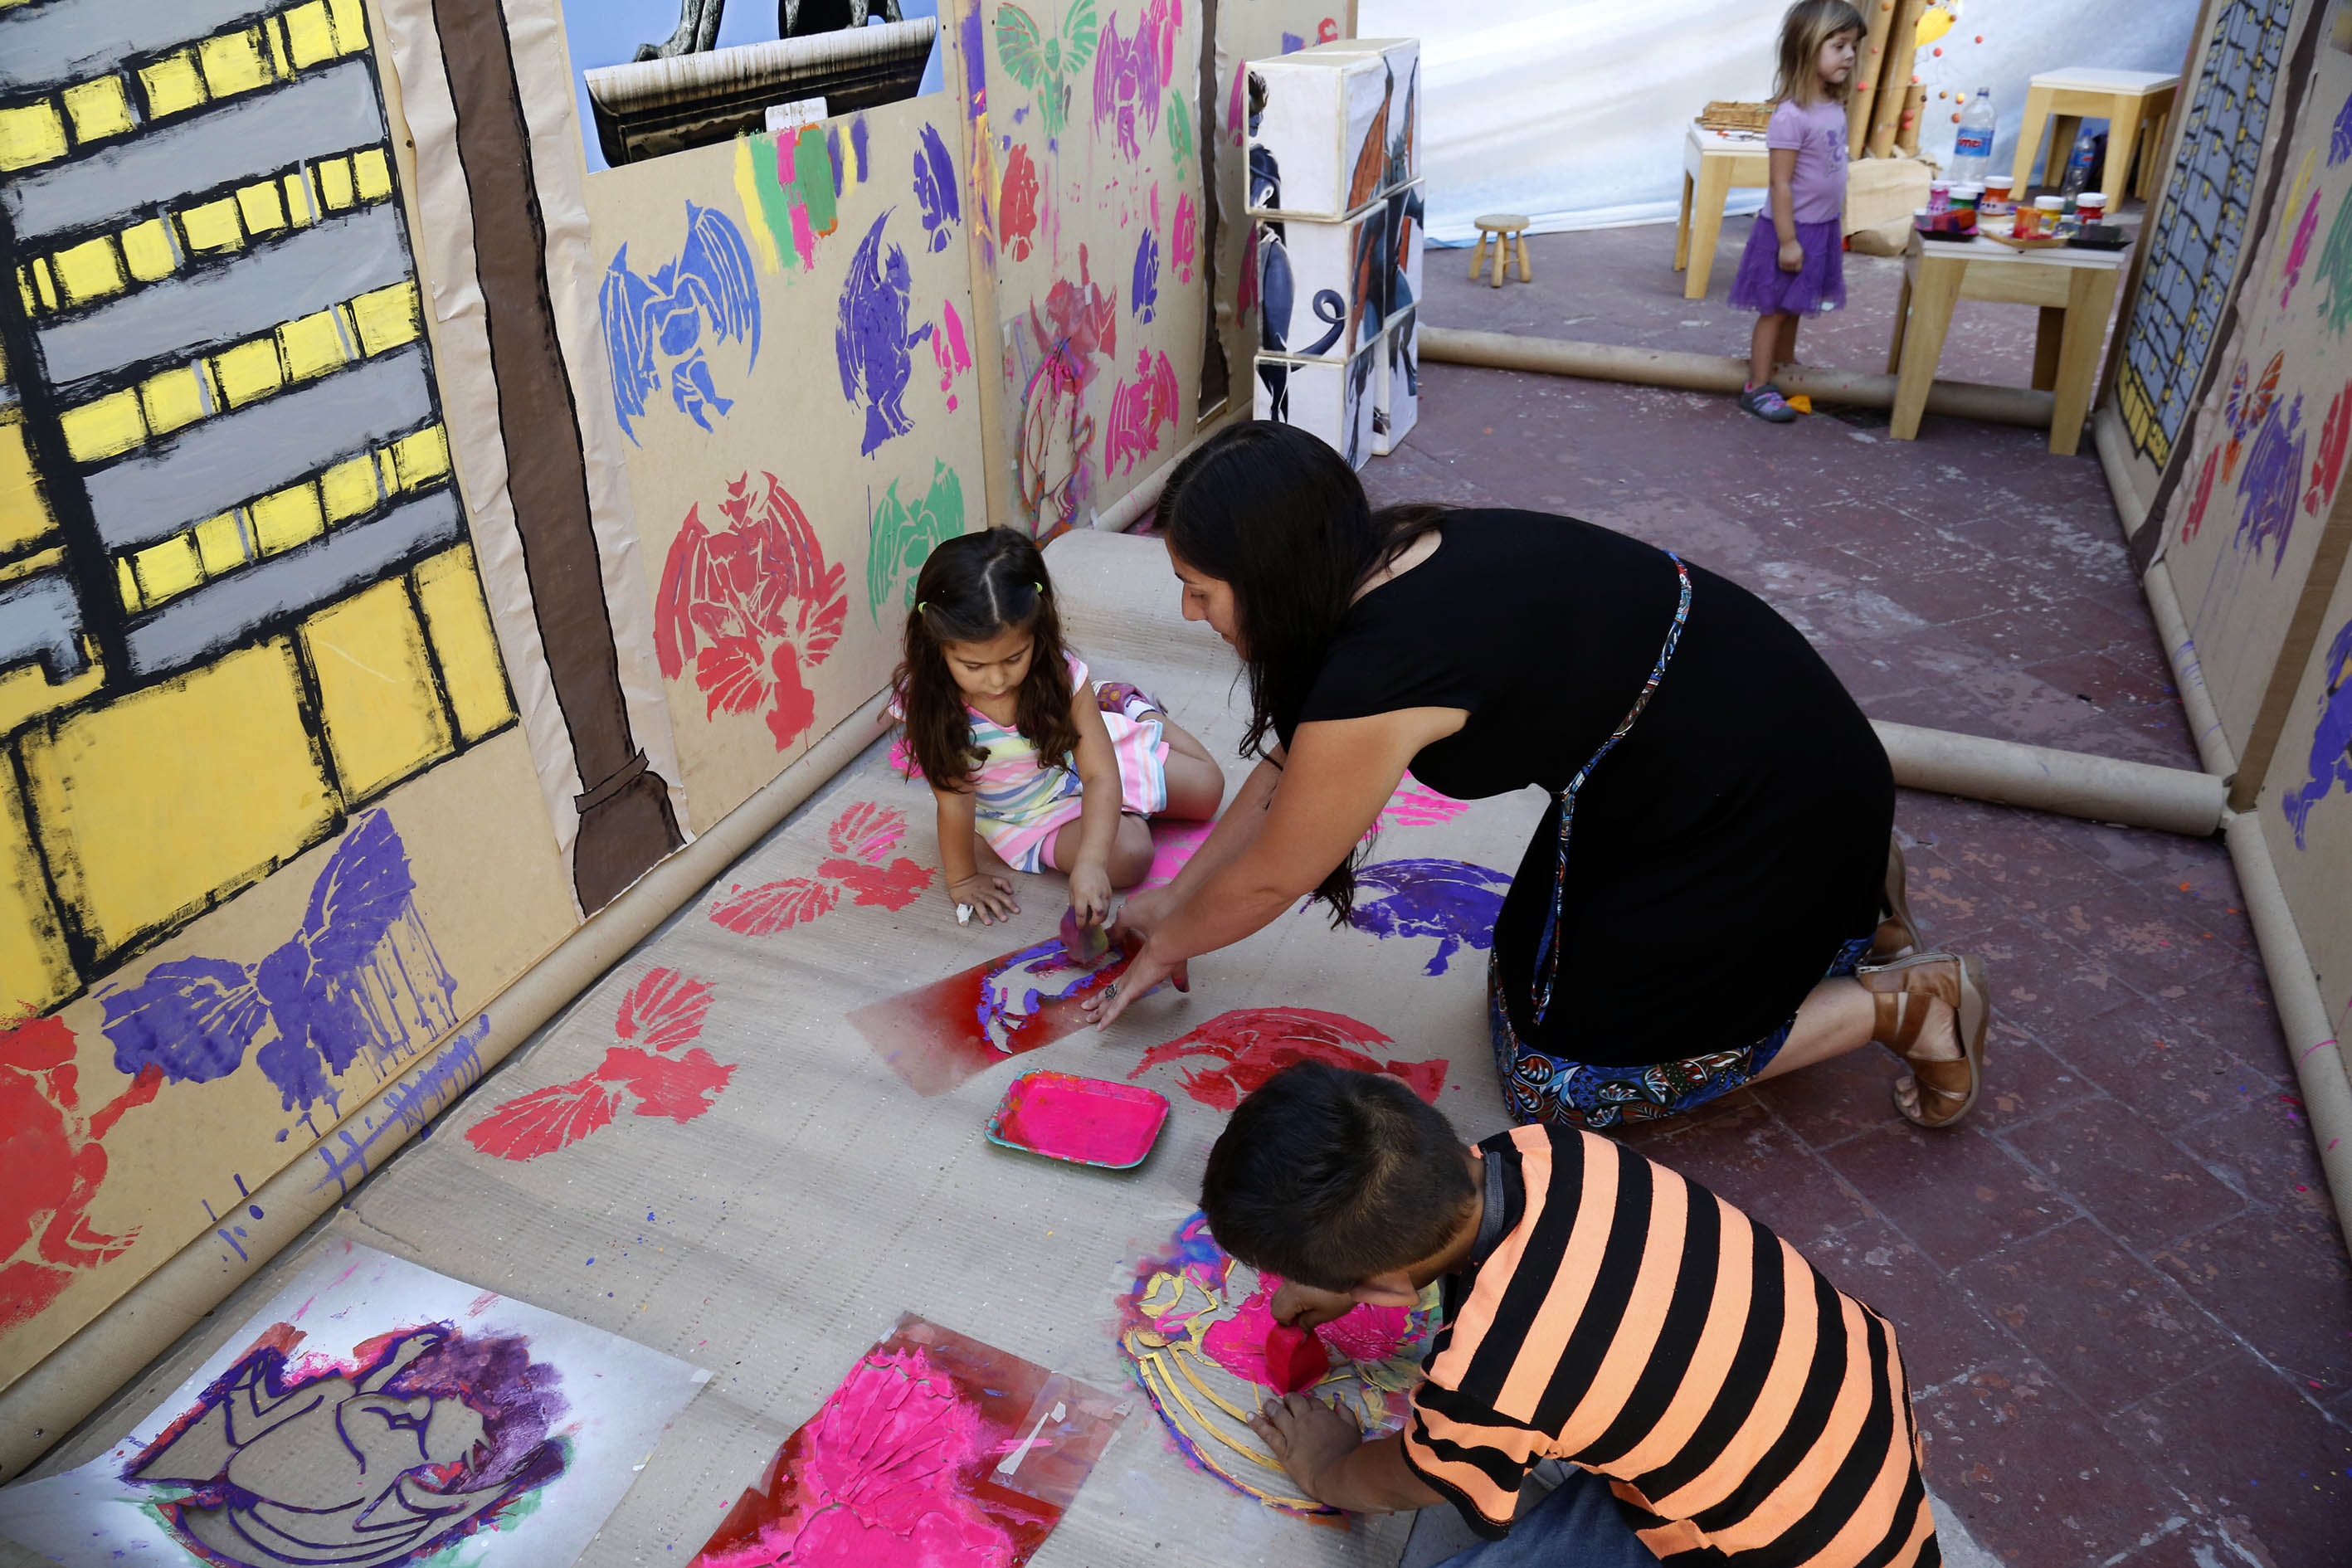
(1396, 385)
(1333, 128)
(1334, 398)
(1326, 290)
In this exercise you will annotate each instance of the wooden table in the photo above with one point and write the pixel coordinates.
(1713, 164)
(2074, 288)
(2129, 102)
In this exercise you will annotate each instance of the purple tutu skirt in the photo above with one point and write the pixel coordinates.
(1819, 285)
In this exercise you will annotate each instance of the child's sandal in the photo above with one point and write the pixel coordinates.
(1902, 991)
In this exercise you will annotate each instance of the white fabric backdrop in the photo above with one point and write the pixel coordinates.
(1572, 111)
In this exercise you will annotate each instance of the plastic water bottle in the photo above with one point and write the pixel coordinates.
(2078, 166)
(1972, 146)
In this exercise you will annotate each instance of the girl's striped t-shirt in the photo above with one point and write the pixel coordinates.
(1744, 1411)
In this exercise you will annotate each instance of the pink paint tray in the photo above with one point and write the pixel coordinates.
(1085, 1120)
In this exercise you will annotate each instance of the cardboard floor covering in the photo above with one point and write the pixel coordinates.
(772, 1229)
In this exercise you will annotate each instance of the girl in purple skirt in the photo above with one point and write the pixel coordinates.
(1795, 262)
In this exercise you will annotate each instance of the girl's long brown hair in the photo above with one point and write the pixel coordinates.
(973, 589)
(1809, 24)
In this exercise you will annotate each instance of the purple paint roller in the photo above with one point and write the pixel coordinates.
(1084, 944)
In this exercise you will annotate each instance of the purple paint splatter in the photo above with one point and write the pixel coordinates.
(428, 1436)
(361, 977)
(935, 189)
(871, 341)
(2272, 485)
(1144, 297)
(1452, 900)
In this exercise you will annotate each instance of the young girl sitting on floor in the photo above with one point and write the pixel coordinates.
(1795, 261)
(1024, 757)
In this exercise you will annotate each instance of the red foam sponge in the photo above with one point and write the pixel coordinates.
(1295, 1359)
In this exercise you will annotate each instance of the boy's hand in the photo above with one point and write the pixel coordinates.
(1307, 1436)
(991, 898)
(1090, 893)
(1792, 256)
(1297, 1306)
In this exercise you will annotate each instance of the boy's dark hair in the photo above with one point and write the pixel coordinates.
(1328, 1177)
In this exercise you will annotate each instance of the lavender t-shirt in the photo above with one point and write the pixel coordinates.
(1817, 133)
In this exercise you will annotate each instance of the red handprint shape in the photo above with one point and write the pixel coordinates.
(860, 837)
(665, 1010)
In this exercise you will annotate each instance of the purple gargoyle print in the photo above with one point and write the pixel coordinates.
(871, 341)
(1452, 900)
(358, 979)
(426, 1439)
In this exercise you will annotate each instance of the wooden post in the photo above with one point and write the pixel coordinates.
(1869, 65)
(1914, 108)
(1902, 49)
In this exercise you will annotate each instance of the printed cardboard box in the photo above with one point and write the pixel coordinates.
(1328, 288)
(1334, 128)
(1396, 407)
(1334, 398)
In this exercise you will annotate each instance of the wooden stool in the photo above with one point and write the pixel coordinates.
(2129, 102)
(1506, 231)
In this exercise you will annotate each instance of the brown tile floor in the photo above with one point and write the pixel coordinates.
(2125, 1298)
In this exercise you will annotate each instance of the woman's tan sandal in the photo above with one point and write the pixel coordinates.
(1895, 934)
(1904, 991)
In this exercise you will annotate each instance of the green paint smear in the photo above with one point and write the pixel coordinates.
(2334, 270)
(775, 205)
(813, 162)
(900, 538)
(1180, 130)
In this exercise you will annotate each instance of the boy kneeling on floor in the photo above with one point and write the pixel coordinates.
(1599, 1309)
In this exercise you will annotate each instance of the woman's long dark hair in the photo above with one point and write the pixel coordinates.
(1278, 515)
(973, 589)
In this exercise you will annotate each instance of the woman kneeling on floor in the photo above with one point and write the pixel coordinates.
(1730, 904)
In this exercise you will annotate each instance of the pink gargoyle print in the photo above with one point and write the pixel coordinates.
(660, 1072)
(861, 839)
(752, 606)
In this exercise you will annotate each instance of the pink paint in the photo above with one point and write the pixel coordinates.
(1016, 205)
(803, 235)
(876, 1482)
(1137, 409)
(950, 349)
(1082, 1119)
(1184, 239)
(1238, 1344)
(1416, 804)
(1173, 844)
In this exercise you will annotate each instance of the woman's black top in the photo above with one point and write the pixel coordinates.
(1721, 854)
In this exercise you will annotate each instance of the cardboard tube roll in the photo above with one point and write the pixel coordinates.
(78, 1377)
(2102, 789)
(2319, 1066)
(1906, 130)
(1869, 65)
(2213, 748)
(1718, 373)
(1894, 76)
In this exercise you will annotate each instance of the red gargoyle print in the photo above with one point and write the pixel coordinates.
(1253, 1043)
(860, 838)
(657, 1076)
(753, 606)
(55, 1161)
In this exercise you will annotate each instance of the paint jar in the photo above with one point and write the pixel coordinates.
(2052, 209)
(2026, 222)
(1967, 208)
(2091, 207)
(1939, 195)
(1996, 202)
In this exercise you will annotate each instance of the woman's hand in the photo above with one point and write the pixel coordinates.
(1300, 1306)
(1144, 973)
(991, 898)
(1309, 1436)
(1141, 915)
(1792, 256)
(1090, 893)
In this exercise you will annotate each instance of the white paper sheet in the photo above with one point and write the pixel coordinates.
(352, 1437)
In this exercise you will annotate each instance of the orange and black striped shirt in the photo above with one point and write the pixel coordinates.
(1615, 1316)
